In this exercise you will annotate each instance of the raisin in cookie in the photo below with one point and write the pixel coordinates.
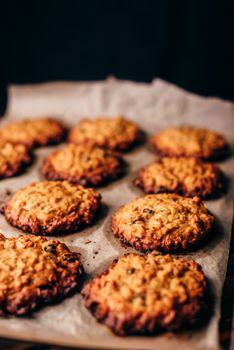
(167, 222)
(145, 294)
(52, 207)
(14, 158)
(34, 272)
(33, 132)
(189, 141)
(188, 176)
(114, 133)
(83, 164)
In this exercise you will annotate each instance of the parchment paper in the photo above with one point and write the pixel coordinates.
(154, 106)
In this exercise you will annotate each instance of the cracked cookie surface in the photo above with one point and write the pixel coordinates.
(189, 141)
(114, 133)
(145, 294)
(166, 222)
(83, 164)
(14, 158)
(52, 207)
(33, 132)
(184, 175)
(34, 272)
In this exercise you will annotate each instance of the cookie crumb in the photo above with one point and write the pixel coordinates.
(88, 241)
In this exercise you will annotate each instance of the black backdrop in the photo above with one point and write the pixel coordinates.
(189, 42)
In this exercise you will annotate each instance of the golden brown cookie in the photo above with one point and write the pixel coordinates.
(14, 158)
(83, 164)
(189, 141)
(146, 294)
(34, 272)
(115, 133)
(188, 176)
(52, 207)
(166, 222)
(33, 132)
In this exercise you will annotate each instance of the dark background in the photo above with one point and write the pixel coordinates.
(190, 43)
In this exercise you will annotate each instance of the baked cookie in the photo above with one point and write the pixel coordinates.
(34, 272)
(166, 222)
(52, 207)
(189, 141)
(83, 164)
(145, 294)
(115, 133)
(33, 132)
(14, 157)
(188, 176)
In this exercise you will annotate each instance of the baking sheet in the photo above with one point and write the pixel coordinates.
(154, 106)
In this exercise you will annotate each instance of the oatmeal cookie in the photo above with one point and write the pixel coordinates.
(34, 272)
(33, 132)
(189, 141)
(167, 222)
(52, 207)
(114, 133)
(188, 176)
(145, 294)
(83, 164)
(14, 158)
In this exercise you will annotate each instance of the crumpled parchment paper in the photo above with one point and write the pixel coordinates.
(154, 106)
